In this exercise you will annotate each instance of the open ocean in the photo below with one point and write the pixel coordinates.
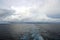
(29, 31)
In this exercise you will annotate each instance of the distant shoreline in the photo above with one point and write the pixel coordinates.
(29, 22)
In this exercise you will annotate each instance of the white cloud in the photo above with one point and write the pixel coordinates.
(33, 10)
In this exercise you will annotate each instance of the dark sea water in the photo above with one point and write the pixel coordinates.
(29, 31)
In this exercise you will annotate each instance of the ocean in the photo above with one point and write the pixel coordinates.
(29, 31)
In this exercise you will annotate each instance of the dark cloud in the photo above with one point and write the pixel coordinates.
(5, 13)
(54, 15)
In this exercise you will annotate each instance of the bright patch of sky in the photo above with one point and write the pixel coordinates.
(30, 10)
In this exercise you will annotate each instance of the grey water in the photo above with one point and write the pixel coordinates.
(29, 31)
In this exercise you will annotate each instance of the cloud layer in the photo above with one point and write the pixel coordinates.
(30, 10)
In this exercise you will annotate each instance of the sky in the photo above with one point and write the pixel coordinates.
(30, 10)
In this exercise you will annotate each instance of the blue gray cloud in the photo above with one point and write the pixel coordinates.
(4, 13)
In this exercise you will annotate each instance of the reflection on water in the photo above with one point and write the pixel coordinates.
(19, 32)
(29, 31)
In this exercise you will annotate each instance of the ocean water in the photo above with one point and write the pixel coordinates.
(29, 31)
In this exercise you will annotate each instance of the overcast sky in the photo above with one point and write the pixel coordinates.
(29, 10)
